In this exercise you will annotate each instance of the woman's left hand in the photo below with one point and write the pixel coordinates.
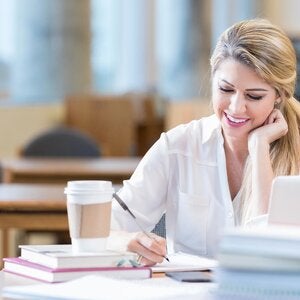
(274, 128)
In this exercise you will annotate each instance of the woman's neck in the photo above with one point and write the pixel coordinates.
(236, 153)
(236, 148)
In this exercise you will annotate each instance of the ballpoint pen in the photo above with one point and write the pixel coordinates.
(125, 207)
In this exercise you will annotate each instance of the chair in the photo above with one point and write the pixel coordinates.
(61, 142)
(185, 111)
(109, 119)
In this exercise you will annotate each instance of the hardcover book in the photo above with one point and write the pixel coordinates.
(61, 256)
(40, 272)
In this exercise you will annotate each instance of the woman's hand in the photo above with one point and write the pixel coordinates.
(151, 250)
(274, 128)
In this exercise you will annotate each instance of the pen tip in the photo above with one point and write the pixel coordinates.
(167, 259)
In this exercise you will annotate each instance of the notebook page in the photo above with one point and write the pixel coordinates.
(185, 262)
(99, 287)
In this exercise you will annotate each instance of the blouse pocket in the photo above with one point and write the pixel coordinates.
(191, 224)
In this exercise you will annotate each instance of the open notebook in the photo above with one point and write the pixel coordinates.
(284, 207)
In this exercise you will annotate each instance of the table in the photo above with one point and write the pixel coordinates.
(31, 207)
(60, 170)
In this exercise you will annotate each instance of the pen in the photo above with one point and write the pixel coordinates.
(125, 207)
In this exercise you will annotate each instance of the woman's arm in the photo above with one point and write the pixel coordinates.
(259, 144)
(145, 194)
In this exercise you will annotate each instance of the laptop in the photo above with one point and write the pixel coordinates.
(284, 206)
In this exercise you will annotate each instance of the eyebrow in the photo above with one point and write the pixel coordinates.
(254, 89)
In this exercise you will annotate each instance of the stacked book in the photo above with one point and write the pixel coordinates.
(262, 263)
(57, 263)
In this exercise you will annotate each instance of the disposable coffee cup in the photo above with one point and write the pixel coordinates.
(89, 214)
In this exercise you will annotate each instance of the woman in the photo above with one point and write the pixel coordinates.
(217, 172)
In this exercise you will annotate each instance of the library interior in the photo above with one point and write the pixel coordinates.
(87, 87)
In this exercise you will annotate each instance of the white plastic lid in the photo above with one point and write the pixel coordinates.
(87, 186)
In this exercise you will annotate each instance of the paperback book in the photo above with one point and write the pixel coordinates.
(40, 272)
(61, 256)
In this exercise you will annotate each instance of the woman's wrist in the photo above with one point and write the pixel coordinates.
(258, 146)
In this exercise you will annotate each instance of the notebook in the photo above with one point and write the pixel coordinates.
(284, 206)
(185, 262)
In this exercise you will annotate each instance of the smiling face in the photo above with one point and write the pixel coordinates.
(241, 99)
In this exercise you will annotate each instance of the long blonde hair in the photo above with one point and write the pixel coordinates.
(269, 52)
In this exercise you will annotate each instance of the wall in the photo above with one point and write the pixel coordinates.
(19, 123)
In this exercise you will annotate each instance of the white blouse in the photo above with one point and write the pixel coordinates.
(183, 174)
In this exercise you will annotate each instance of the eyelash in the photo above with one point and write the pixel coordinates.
(249, 96)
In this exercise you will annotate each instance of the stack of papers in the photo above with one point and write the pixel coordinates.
(259, 263)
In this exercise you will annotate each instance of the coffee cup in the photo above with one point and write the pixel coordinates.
(89, 214)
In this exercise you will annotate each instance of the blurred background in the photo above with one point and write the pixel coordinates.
(56, 55)
(100, 79)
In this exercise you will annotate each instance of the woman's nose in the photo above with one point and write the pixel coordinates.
(237, 104)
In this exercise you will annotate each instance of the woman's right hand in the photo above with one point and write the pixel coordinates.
(151, 250)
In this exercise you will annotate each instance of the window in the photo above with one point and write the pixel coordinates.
(7, 22)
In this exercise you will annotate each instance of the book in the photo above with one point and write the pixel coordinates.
(270, 241)
(180, 261)
(39, 272)
(244, 284)
(61, 256)
(272, 248)
(258, 262)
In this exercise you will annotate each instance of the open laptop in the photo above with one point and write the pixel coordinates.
(284, 206)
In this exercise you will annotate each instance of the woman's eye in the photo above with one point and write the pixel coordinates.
(252, 97)
(226, 90)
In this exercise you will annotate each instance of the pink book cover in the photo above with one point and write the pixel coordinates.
(144, 272)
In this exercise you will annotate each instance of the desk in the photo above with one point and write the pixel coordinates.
(60, 170)
(31, 207)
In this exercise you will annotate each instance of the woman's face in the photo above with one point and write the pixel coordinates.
(241, 99)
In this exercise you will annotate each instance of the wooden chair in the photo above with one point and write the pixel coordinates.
(109, 119)
(186, 111)
(149, 124)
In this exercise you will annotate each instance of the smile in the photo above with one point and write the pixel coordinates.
(236, 121)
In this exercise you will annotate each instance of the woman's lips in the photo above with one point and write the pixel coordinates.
(236, 122)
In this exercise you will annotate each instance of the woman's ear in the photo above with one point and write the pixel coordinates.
(278, 101)
(277, 104)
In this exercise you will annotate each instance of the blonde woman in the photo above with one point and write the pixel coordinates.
(217, 172)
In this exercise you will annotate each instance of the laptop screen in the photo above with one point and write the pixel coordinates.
(284, 206)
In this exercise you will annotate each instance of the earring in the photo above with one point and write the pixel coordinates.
(277, 105)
